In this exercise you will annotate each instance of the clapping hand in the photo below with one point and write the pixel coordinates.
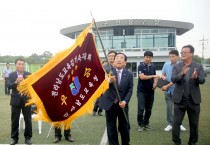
(185, 69)
(19, 79)
(195, 74)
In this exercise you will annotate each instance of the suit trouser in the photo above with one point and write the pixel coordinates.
(124, 126)
(6, 89)
(145, 103)
(59, 135)
(96, 106)
(193, 111)
(15, 111)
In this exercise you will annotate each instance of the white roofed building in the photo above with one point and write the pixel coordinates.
(135, 36)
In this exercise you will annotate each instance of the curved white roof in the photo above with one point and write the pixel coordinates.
(181, 27)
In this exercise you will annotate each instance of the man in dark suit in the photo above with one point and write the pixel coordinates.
(187, 75)
(17, 103)
(113, 106)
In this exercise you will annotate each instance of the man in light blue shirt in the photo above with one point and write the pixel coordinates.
(5, 75)
(169, 88)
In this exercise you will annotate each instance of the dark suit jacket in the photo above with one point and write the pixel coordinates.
(125, 90)
(179, 82)
(15, 96)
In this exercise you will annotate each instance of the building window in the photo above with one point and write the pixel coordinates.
(120, 31)
(132, 67)
(147, 40)
(161, 40)
(158, 65)
(171, 40)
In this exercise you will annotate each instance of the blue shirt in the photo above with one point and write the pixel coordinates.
(6, 72)
(167, 71)
(146, 85)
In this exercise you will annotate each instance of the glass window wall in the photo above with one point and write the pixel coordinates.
(147, 40)
(158, 39)
(161, 40)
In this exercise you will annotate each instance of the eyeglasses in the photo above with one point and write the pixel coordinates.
(184, 52)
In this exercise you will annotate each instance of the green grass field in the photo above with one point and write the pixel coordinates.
(93, 127)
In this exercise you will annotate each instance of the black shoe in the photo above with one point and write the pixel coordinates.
(28, 141)
(69, 139)
(94, 113)
(14, 142)
(56, 140)
(147, 127)
(100, 114)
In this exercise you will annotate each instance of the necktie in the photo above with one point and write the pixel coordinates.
(118, 77)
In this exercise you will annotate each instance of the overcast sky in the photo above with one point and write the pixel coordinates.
(33, 26)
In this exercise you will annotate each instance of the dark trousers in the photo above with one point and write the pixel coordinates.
(96, 106)
(193, 111)
(6, 89)
(124, 126)
(59, 135)
(145, 103)
(15, 111)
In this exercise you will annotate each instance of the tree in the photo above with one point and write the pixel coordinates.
(33, 59)
(45, 56)
(207, 61)
(198, 59)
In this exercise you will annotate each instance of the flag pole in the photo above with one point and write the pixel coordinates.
(109, 65)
